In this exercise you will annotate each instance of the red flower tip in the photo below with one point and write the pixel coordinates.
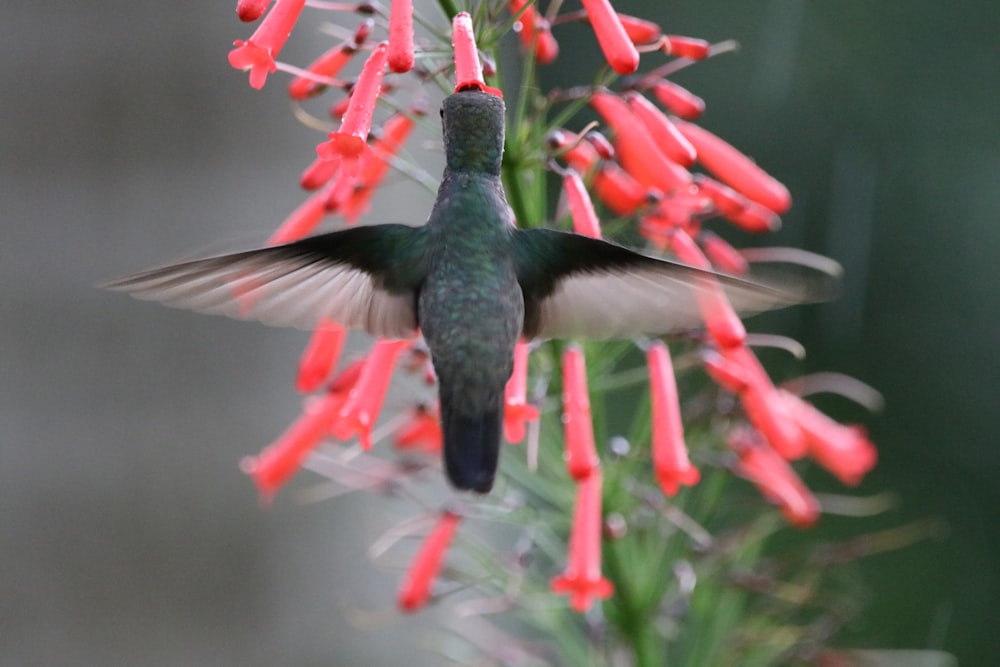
(385, 147)
(257, 54)
(632, 145)
(401, 36)
(585, 220)
(736, 169)
(620, 192)
(678, 100)
(278, 462)
(415, 589)
(349, 141)
(725, 373)
(582, 579)
(686, 47)
(359, 413)
(534, 31)
(764, 407)
(845, 451)
(665, 134)
(581, 453)
(251, 10)
(301, 221)
(517, 411)
(721, 321)
(601, 144)
(722, 255)
(421, 432)
(318, 173)
(640, 31)
(670, 456)
(320, 355)
(618, 49)
(468, 68)
(755, 218)
(775, 479)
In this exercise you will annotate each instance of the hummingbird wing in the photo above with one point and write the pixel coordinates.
(579, 287)
(364, 277)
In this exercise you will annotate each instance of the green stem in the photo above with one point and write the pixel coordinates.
(449, 8)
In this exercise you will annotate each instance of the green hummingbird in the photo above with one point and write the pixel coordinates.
(468, 279)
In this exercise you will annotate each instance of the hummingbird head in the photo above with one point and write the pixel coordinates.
(473, 127)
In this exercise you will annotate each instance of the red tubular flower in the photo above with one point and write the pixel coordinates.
(722, 255)
(401, 36)
(665, 134)
(422, 432)
(301, 221)
(670, 456)
(582, 579)
(776, 480)
(845, 451)
(257, 54)
(329, 64)
(678, 100)
(278, 462)
(359, 413)
(686, 47)
(395, 132)
(618, 49)
(415, 589)
(632, 144)
(619, 191)
(724, 372)
(517, 411)
(585, 220)
(721, 321)
(756, 218)
(581, 454)
(318, 173)
(533, 31)
(468, 68)
(251, 10)
(321, 355)
(736, 169)
(348, 142)
(640, 31)
(764, 407)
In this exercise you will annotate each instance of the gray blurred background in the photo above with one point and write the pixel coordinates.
(128, 535)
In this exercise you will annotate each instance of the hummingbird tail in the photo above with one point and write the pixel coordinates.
(471, 449)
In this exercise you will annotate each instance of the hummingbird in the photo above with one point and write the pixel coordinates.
(469, 280)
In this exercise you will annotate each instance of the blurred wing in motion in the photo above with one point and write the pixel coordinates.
(364, 277)
(579, 287)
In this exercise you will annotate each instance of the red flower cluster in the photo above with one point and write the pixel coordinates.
(643, 173)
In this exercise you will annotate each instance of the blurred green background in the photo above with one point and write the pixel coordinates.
(128, 534)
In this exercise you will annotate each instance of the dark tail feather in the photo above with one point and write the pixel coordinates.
(471, 450)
